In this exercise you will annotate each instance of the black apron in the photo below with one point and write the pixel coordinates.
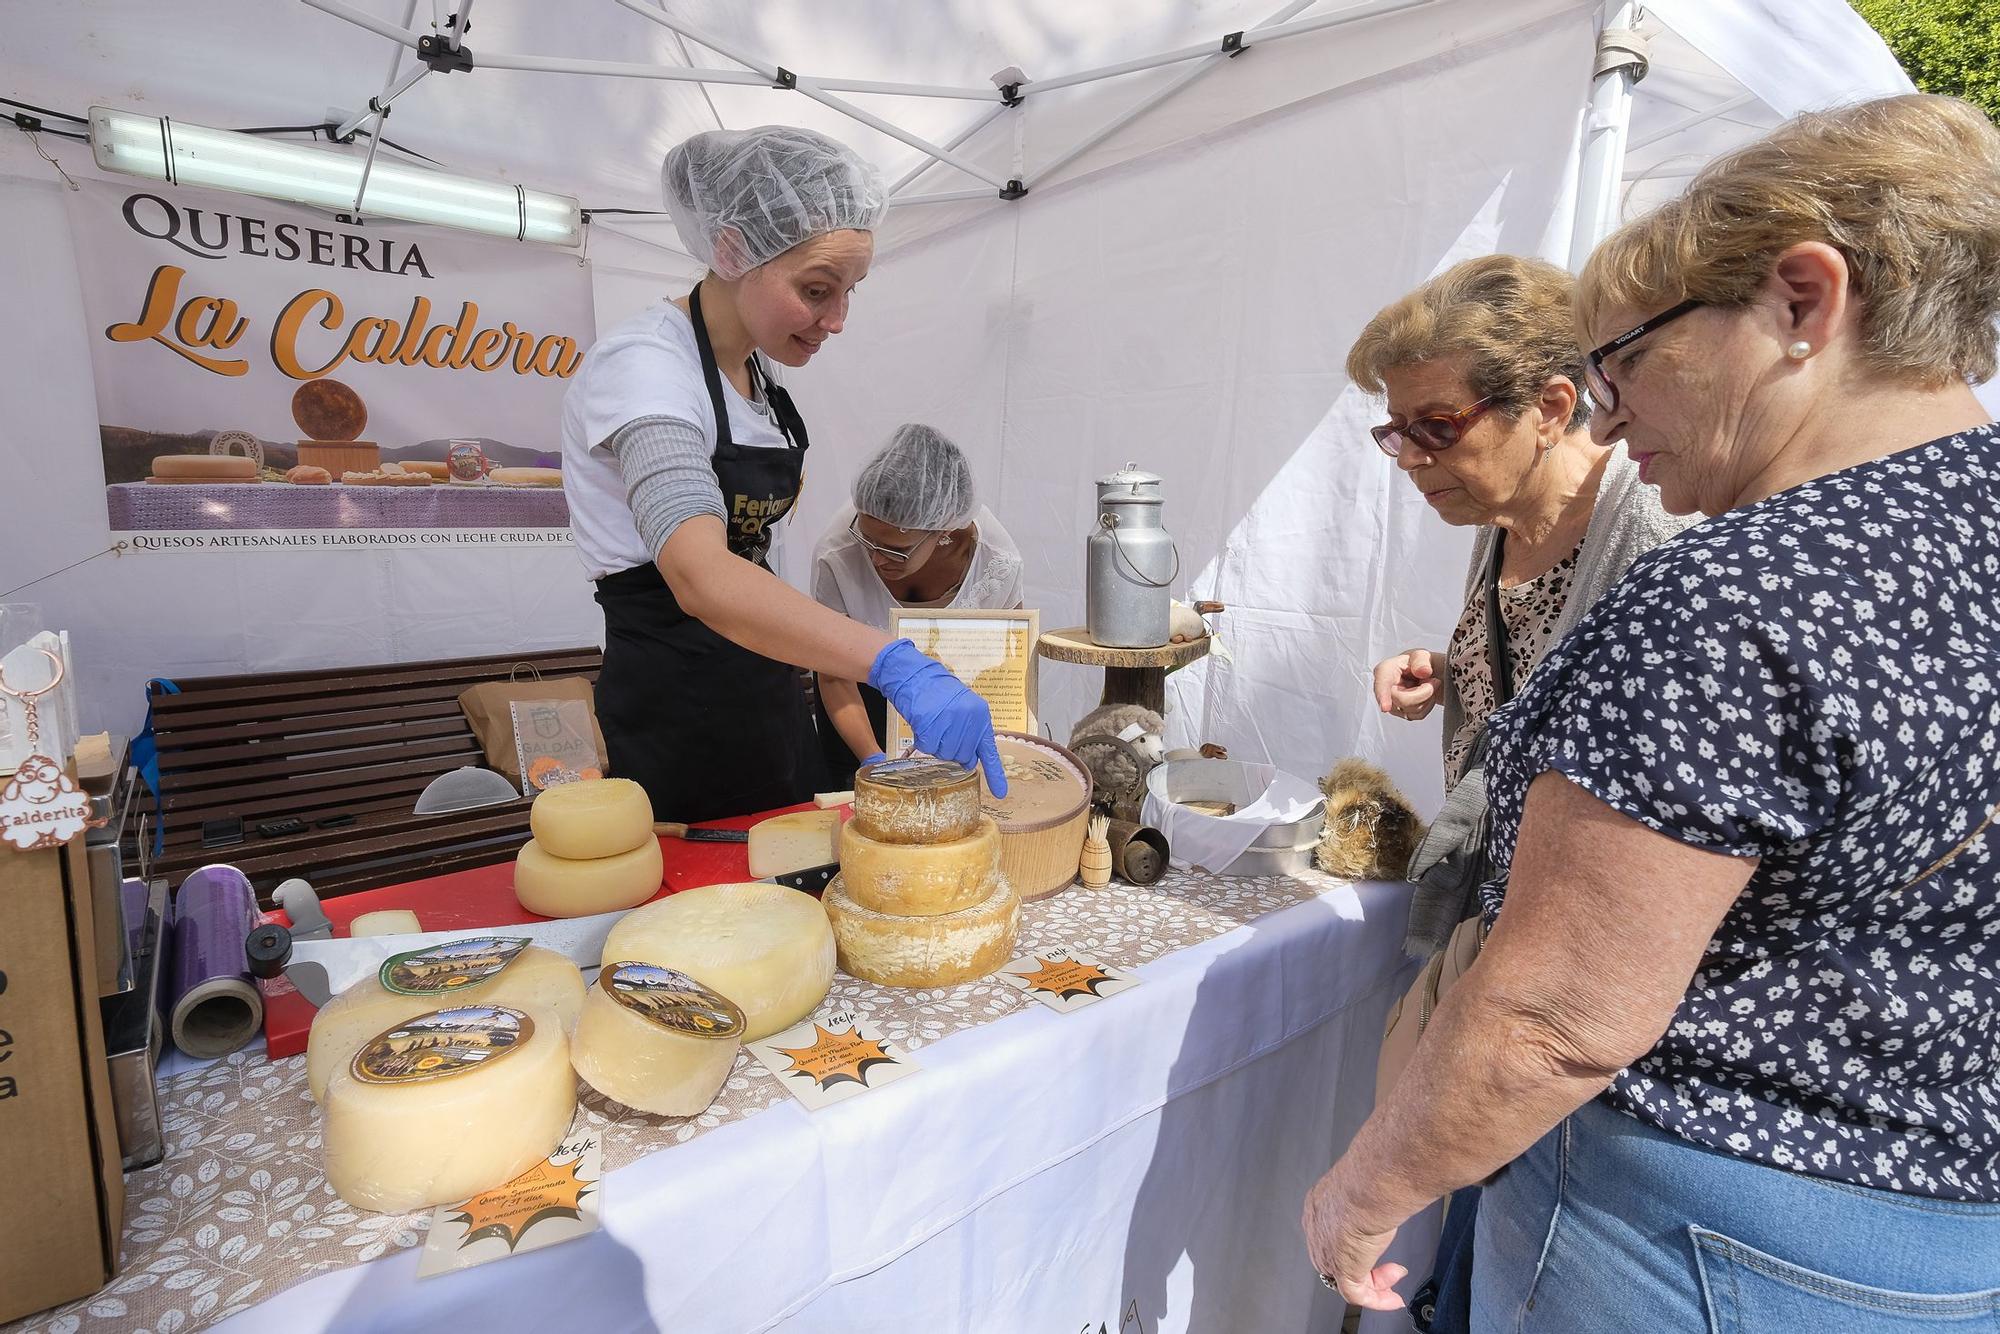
(707, 727)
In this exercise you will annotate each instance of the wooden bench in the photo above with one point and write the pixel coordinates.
(360, 742)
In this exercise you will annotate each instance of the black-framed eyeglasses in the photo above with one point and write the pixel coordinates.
(1595, 379)
(900, 555)
(1434, 434)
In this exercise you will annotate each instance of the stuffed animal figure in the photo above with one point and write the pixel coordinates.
(1371, 828)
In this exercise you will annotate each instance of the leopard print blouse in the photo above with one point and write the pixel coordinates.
(1530, 611)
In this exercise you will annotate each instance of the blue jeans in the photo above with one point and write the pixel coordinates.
(1609, 1225)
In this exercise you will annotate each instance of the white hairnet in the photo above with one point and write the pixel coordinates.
(919, 480)
(774, 186)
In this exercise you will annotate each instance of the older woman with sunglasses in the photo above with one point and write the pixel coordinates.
(1488, 420)
(1733, 1045)
(915, 536)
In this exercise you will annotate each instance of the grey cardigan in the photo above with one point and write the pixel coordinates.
(1625, 523)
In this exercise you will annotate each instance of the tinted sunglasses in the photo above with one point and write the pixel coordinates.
(1434, 434)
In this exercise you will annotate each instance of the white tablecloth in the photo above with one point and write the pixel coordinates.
(1138, 1164)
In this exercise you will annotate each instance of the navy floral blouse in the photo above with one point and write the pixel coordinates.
(1813, 681)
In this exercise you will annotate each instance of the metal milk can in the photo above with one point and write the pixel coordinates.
(1130, 564)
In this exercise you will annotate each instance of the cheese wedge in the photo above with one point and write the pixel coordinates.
(793, 842)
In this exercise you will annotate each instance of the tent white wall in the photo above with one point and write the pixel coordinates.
(1182, 295)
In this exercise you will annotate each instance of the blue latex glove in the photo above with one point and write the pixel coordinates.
(876, 758)
(945, 717)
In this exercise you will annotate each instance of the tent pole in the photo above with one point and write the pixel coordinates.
(630, 70)
(1352, 14)
(1699, 118)
(617, 69)
(942, 197)
(1620, 62)
(954, 142)
(379, 107)
(786, 79)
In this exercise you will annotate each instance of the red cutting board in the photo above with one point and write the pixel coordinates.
(484, 896)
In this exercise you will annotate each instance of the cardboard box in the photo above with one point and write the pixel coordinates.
(59, 1151)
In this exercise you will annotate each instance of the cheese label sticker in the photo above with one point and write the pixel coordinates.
(917, 773)
(832, 1058)
(553, 1201)
(1065, 981)
(672, 1000)
(441, 1044)
(439, 970)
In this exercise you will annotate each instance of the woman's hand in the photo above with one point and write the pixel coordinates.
(1410, 684)
(1346, 1252)
(946, 718)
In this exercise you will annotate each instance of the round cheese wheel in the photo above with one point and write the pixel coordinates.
(1045, 786)
(564, 887)
(597, 817)
(446, 1105)
(916, 800)
(656, 1039)
(204, 466)
(924, 951)
(328, 410)
(911, 880)
(506, 972)
(765, 947)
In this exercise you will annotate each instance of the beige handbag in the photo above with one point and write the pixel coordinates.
(1413, 1013)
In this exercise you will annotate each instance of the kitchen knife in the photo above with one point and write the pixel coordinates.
(673, 829)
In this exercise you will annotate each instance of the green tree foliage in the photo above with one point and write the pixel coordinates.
(1947, 46)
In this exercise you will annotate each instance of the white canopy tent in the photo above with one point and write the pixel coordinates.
(1198, 241)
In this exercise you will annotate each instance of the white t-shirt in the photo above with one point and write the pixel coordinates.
(649, 366)
(845, 580)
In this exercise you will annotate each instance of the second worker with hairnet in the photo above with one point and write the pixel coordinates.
(682, 452)
(915, 536)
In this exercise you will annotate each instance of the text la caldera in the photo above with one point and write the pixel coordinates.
(198, 327)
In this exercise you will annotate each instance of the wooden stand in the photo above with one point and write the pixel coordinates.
(1131, 675)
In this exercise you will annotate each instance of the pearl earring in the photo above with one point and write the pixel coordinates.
(1799, 351)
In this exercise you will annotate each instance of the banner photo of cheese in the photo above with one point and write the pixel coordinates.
(593, 850)
(446, 1105)
(483, 970)
(768, 949)
(656, 1039)
(265, 369)
(920, 900)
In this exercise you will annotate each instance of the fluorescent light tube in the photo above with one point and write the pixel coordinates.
(174, 151)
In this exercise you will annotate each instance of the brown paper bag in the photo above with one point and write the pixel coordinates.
(488, 707)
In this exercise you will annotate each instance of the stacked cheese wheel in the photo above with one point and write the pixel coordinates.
(920, 901)
(593, 850)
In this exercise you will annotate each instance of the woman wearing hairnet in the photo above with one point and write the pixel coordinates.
(680, 453)
(915, 536)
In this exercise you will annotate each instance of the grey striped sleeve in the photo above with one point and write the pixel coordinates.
(668, 476)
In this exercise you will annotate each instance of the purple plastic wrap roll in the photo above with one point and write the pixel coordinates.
(215, 1007)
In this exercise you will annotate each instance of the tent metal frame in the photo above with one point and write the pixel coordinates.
(1602, 150)
(445, 51)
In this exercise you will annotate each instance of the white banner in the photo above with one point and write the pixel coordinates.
(261, 369)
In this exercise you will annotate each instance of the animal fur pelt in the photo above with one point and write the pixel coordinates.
(1371, 828)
